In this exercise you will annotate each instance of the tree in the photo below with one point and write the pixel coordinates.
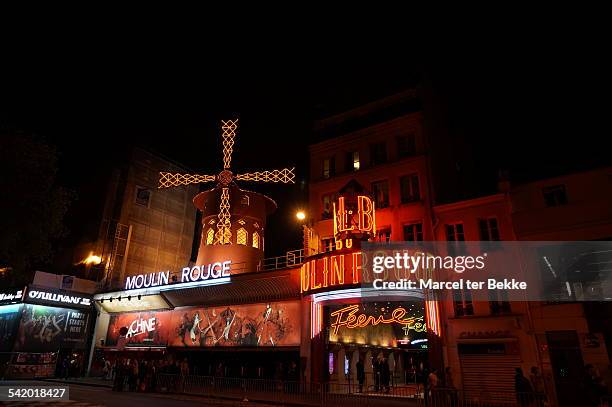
(32, 205)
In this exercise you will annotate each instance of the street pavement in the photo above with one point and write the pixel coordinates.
(90, 396)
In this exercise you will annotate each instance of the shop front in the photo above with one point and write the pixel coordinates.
(246, 326)
(45, 332)
(363, 339)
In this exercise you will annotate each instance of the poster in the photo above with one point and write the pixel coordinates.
(148, 328)
(9, 322)
(266, 324)
(46, 329)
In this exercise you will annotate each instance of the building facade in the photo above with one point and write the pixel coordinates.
(481, 343)
(143, 228)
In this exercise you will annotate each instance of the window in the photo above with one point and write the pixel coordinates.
(143, 196)
(406, 145)
(380, 190)
(383, 235)
(210, 236)
(352, 161)
(455, 237)
(327, 206)
(328, 245)
(463, 303)
(555, 195)
(256, 240)
(329, 167)
(241, 236)
(488, 229)
(378, 153)
(409, 188)
(413, 232)
(454, 232)
(498, 302)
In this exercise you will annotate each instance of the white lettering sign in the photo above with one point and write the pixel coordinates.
(188, 275)
(140, 327)
(16, 296)
(61, 298)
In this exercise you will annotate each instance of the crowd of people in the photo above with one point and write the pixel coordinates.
(141, 375)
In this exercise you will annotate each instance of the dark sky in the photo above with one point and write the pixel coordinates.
(519, 109)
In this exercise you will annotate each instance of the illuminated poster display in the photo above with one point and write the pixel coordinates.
(271, 324)
(144, 328)
(389, 324)
(9, 321)
(266, 324)
(46, 329)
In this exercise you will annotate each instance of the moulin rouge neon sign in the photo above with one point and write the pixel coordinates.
(354, 218)
(350, 318)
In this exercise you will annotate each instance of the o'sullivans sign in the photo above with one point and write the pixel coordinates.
(188, 275)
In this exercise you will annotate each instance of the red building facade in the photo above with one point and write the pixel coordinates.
(480, 343)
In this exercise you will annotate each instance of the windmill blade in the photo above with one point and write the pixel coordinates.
(229, 133)
(224, 224)
(170, 179)
(285, 176)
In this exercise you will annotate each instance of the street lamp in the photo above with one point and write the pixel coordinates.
(300, 215)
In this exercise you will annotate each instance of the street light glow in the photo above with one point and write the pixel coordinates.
(300, 215)
(92, 259)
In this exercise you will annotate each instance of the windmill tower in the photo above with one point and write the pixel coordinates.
(233, 219)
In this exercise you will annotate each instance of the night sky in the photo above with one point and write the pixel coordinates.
(520, 110)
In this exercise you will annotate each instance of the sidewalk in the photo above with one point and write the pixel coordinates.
(87, 381)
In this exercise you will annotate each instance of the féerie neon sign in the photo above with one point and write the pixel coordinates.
(349, 318)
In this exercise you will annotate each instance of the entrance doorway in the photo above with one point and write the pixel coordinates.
(568, 366)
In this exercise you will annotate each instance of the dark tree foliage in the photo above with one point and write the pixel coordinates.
(32, 206)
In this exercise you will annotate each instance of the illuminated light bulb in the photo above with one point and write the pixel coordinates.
(92, 259)
(300, 215)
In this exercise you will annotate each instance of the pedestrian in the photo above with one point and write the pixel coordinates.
(594, 387)
(432, 384)
(184, 367)
(106, 371)
(385, 375)
(119, 375)
(523, 389)
(376, 373)
(360, 373)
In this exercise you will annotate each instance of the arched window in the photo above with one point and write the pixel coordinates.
(241, 236)
(210, 236)
(256, 240)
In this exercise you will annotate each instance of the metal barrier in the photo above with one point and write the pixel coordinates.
(336, 394)
(285, 392)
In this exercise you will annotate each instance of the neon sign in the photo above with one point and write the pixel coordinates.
(354, 218)
(11, 297)
(348, 317)
(188, 275)
(61, 298)
(330, 271)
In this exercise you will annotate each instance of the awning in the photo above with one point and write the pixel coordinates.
(263, 286)
(244, 288)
